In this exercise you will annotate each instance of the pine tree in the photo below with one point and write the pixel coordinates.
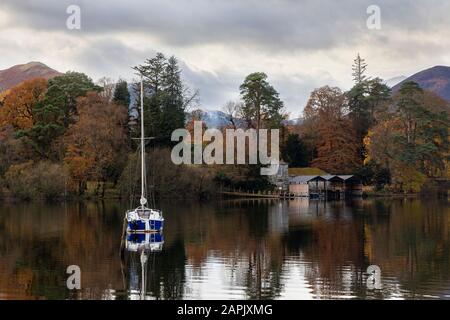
(153, 73)
(359, 68)
(121, 94)
(173, 108)
(166, 97)
(262, 104)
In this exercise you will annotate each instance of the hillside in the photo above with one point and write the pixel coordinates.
(436, 80)
(19, 73)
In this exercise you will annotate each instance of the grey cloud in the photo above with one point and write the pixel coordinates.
(271, 24)
(267, 27)
(110, 57)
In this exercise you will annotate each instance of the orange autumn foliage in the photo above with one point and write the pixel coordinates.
(335, 142)
(96, 139)
(18, 103)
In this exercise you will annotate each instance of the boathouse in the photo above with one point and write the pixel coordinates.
(326, 186)
(306, 186)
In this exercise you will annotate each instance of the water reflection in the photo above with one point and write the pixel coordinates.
(297, 249)
(139, 249)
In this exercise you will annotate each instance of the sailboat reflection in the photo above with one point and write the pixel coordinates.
(152, 242)
(141, 249)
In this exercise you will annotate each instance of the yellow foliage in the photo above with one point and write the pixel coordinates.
(407, 178)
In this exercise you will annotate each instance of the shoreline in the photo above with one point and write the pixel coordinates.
(219, 196)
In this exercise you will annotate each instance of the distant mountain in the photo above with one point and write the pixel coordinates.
(215, 119)
(292, 122)
(218, 119)
(22, 72)
(394, 81)
(436, 80)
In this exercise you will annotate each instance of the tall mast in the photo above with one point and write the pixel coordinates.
(143, 200)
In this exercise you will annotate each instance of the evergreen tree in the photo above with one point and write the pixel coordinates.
(262, 105)
(153, 72)
(359, 68)
(411, 140)
(365, 99)
(295, 151)
(173, 108)
(166, 97)
(121, 94)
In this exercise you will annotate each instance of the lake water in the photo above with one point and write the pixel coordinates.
(231, 249)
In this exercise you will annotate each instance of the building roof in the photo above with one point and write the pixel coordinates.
(351, 178)
(330, 177)
(305, 179)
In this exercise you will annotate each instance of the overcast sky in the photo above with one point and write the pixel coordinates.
(301, 45)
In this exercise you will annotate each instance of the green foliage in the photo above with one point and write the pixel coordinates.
(295, 152)
(166, 97)
(423, 138)
(245, 178)
(359, 68)
(62, 95)
(121, 94)
(56, 112)
(173, 100)
(412, 139)
(262, 104)
(365, 99)
(373, 173)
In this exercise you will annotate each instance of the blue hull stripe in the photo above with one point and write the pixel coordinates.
(140, 225)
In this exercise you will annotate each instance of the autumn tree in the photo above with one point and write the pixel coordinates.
(412, 140)
(53, 114)
(16, 114)
(336, 146)
(96, 142)
(18, 104)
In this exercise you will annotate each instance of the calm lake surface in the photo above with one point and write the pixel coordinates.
(230, 249)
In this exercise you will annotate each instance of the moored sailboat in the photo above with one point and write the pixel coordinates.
(143, 219)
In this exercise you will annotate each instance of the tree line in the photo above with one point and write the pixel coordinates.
(69, 135)
(396, 141)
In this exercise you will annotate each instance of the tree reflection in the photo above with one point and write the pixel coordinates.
(260, 248)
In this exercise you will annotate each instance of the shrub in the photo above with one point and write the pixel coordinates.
(169, 180)
(41, 180)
